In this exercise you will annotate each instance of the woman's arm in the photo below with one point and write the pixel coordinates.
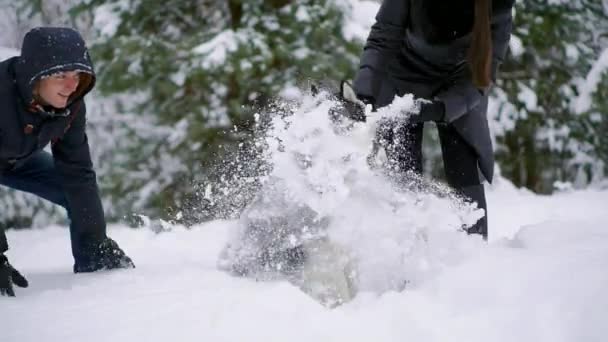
(502, 26)
(384, 41)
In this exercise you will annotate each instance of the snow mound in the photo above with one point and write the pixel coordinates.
(323, 186)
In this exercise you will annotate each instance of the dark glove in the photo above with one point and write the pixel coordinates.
(9, 276)
(430, 111)
(106, 255)
(351, 106)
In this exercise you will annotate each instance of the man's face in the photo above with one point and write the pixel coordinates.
(56, 89)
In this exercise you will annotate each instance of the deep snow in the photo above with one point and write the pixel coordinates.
(546, 282)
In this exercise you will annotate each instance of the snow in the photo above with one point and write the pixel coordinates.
(302, 14)
(584, 101)
(516, 46)
(540, 278)
(321, 176)
(360, 16)
(545, 283)
(107, 18)
(218, 49)
(291, 93)
(572, 52)
(6, 53)
(528, 97)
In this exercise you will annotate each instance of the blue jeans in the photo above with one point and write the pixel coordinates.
(38, 176)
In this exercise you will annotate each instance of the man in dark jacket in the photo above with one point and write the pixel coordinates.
(435, 50)
(42, 102)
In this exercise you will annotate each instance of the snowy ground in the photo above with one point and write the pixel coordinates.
(541, 278)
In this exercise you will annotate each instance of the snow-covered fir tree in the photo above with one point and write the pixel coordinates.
(545, 133)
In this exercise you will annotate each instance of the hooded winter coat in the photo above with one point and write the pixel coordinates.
(420, 47)
(26, 129)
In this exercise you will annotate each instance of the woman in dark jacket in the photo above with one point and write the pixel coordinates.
(446, 51)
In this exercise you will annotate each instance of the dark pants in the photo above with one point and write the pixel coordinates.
(403, 146)
(38, 176)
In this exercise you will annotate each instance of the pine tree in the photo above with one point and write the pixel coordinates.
(545, 134)
(192, 73)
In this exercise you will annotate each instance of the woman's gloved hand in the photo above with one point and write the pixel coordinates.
(430, 111)
(352, 107)
(9, 276)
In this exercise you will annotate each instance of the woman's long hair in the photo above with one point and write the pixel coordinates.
(480, 51)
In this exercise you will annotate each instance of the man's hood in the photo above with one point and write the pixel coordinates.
(50, 50)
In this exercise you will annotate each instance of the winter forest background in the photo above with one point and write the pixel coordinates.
(181, 84)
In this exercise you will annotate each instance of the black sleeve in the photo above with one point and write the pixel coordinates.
(3, 242)
(384, 41)
(502, 26)
(73, 160)
(463, 95)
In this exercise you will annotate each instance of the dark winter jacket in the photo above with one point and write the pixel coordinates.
(25, 130)
(420, 47)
